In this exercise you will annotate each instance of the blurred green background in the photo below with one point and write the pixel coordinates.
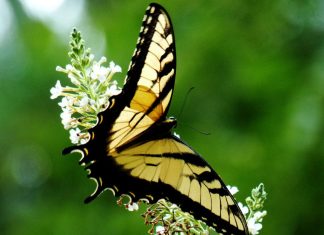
(258, 72)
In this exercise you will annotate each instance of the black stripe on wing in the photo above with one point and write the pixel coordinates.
(153, 64)
(167, 168)
(150, 80)
(146, 92)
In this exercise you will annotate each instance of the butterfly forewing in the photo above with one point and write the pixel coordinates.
(131, 149)
(149, 83)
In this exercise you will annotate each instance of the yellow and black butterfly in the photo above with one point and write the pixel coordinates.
(132, 149)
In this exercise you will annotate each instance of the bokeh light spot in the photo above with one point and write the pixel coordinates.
(6, 19)
(30, 166)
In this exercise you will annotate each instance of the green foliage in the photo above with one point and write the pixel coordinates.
(80, 57)
(257, 199)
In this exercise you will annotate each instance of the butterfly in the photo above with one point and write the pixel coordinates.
(132, 149)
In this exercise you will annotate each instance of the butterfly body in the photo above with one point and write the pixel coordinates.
(132, 149)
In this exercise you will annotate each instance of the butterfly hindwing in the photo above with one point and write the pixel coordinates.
(185, 178)
(131, 149)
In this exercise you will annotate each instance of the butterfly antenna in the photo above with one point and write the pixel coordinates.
(195, 129)
(184, 102)
(181, 111)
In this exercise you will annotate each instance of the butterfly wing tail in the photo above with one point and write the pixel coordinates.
(89, 168)
(69, 150)
(83, 149)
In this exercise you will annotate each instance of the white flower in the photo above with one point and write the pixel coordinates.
(57, 90)
(243, 208)
(167, 216)
(103, 102)
(66, 102)
(253, 226)
(59, 69)
(92, 102)
(69, 68)
(258, 216)
(102, 60)
(91, 57)
(75, 135)
(84, 101)
(75, 77)
(114, 68)
(233, 189)
(132, 206)
(160, 230)
(99, 72)
(66, 117)
(72, 73)
(112, 90)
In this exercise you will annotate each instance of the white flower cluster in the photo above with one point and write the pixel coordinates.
(133, 206)
(167, 218)
(255, 217)
(81, 103)
(254, 222)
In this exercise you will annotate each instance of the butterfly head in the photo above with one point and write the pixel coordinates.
(170, 123)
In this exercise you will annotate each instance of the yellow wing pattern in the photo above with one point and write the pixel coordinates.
(132, 150)
(171, 162)
(149, 82)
